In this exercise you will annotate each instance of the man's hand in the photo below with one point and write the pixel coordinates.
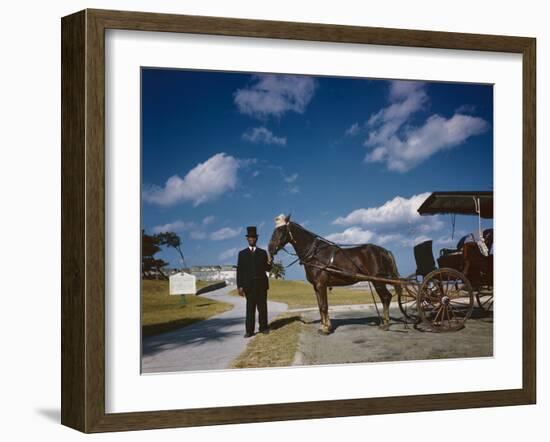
(241, 291)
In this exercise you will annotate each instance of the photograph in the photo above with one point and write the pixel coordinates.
(285, 218)
(299, 220)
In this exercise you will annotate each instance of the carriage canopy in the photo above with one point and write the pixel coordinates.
(461, 203)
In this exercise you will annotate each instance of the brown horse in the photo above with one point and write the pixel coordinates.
(318, 255)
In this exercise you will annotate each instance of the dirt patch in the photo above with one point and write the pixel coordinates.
(357, 338)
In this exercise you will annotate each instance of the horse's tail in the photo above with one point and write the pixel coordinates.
(395, 274)
(394, 271)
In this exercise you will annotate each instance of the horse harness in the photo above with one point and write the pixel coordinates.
(312, 251)
(310, 255)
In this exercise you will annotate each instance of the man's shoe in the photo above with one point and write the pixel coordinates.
(265, 331)
(248, 335)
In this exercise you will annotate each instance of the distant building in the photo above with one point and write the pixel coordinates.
(162, 274)
(227, 273)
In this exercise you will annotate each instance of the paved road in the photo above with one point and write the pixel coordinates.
(357, 338)
(211, 344)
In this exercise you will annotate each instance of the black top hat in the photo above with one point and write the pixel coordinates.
(251, 231)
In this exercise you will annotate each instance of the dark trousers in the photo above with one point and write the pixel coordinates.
(256, 299)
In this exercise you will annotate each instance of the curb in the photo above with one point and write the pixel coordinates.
(340, 308)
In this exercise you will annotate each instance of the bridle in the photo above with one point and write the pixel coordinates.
(289, 231)
(310, 253)
(293, 241)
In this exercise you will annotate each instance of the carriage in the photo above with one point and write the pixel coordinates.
(440, 296)
(466, 269)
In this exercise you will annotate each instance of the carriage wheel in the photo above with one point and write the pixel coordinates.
(407, 299)
(446, 300)
(485, 299)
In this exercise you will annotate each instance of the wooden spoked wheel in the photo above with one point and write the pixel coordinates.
(484, 299)
(407, 299)
(445, 300)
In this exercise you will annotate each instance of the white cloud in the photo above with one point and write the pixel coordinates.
(197, 234)
(389, 238)
(396, 222)
(224, 233)
(401, 147)
(353, 129)
(208, 220)
(293, 190)
(406, 97)
(273, 95)
(356, 235)
(352, 235)
(176, 226)
(291, 178)
(396, 212)
(228, 254)
(437, 134)
(206, 181)
(263, 136)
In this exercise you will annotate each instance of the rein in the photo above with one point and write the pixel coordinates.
(310, 254)
(291, 254)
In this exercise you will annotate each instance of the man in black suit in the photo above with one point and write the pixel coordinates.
(252, 282)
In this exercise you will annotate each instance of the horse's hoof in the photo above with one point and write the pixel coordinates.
(324, 332)
(384, 327)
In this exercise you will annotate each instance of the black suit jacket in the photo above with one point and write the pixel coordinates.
(251, 268)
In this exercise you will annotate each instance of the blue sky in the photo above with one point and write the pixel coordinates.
(350, 159)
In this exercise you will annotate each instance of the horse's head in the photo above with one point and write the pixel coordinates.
(281, 235)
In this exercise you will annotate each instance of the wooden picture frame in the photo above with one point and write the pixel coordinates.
(83, 220)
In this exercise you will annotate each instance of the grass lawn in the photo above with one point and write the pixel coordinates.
(277, 349)
(300, 294)
(161, 312)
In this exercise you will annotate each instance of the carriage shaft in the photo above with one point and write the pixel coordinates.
(362, 277)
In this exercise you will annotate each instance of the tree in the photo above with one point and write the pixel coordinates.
(277, 270)
(151, 267)
(171, 239)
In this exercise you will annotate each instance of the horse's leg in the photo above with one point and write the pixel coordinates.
(324, 298)
(385, 297)
(320, 305)
(321, 292)
(312, 277)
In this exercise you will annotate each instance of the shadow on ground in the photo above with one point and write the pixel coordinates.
(217, 329)
(282, 322)
(51, 414)
(397, 324)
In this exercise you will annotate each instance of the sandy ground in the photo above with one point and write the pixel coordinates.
(357, 338)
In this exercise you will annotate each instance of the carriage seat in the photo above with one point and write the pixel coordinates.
(424, 257)
(459, 245)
